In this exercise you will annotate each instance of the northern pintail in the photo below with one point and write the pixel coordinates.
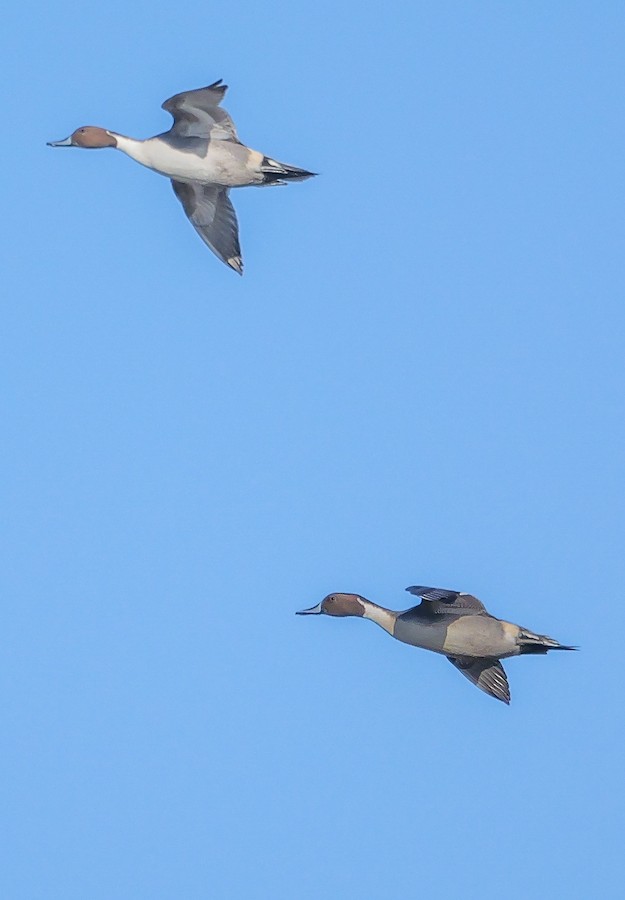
(204, 158)
(454, 624)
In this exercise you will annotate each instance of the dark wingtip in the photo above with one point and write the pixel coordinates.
(218, 85)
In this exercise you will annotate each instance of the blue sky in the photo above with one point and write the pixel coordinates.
(419, 379)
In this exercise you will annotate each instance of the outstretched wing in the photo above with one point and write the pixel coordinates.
(198, 114)
(445, 600)
(212, 215)
(430, 593)
(487, 674)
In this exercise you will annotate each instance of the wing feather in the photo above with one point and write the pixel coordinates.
(487, 674)
(451, 599)
(198, 114)
(212, 215)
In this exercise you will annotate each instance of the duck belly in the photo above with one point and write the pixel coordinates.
(428, 637)
(481, 636)
(203, 161)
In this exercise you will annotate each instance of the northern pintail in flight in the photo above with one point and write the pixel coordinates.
(454, 624)
(204, 158)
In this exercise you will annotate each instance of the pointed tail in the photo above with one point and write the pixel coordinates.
(278, 173)
(539, 643)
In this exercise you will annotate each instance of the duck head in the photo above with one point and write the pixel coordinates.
(337, 605)
(89, 136)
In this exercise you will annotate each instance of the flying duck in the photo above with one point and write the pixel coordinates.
(454, 624)
(204, 158)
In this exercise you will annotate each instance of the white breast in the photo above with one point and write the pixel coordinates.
(179, 164)
(218, 165)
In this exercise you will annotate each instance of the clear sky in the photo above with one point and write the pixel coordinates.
(419, 379)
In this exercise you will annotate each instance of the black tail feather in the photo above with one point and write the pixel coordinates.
(274, 171)
(539, 643)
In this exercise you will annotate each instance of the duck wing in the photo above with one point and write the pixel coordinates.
(443, 601)
(198, 114)
(487, 674)
(212, 215)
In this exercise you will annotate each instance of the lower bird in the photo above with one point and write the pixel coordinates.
(204, 158)
(454, 624)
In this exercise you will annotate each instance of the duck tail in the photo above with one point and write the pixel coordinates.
(539, 643)
(275, 172)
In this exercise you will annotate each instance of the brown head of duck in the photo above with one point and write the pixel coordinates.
(91, 137)
(337, 605)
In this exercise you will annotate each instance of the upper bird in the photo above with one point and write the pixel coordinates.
(454, 624)
(204, 158)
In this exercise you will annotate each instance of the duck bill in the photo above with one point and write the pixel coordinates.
(65, 143)
(313, 611)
